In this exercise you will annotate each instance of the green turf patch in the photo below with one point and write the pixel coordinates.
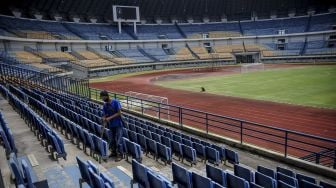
(309, 86)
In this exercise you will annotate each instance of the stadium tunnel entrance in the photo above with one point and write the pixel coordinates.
(247, 57)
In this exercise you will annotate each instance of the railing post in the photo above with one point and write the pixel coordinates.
(317, 159)
(180, 116)
(127, 102)
(241, 132)
(206, 124)
(142, 110)
(159, 110)
(286, 142)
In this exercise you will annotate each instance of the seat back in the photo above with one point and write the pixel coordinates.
(107, 180)
(212, 155)
(16, 172)
(199, 181)
(286, 171)
(28, 174)
(266, 171)
(236, 182)
(326, 185)
(306, 184)
(232, 156)
(139, 173)
(155, 181)
(282, 184)
(216, 175)
(83, 169)
(189, 153)
(181, 176)
(165, 141)
(244, 173)
(200, 149)
(301, 177)
(265, 181)
(287, 179)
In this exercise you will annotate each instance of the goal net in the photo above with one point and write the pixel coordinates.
(252, 67)
(149, 104)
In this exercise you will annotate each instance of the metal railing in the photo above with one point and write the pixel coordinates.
(283, 141)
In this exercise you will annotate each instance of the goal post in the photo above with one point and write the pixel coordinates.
(149, 104)
(251, 67)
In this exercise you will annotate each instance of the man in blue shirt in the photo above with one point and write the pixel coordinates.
(112, 118)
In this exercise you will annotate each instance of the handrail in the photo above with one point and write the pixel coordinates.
(287, 140)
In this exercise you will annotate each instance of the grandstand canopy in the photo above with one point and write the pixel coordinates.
(165, 10)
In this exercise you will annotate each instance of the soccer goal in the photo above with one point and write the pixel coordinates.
(252, 67)
(149, 104)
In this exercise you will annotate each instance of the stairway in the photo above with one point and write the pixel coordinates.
(180, 30)
(143, 52)
(192, 52)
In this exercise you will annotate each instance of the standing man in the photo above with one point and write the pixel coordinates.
(112, 118)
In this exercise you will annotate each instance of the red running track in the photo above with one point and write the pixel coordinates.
(316, 121)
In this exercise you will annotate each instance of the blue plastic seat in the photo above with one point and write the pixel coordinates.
(187, 142)
(181, 176)
(107, 180)
(216, 174)
(266, 171)
(177, 138)
(199, 181)
(301, 177)
(157, 181)
(220, 149)
(200, 150)
(164, 153)
(244, 173)
(282, 184)
(133, 136)
(97, 181)
(139, 174)
(176, 148)
(142, 141)
(18, 175)
(151, 147)
(27, 174)
(134, 150)
(165, 141)
(326, 185)
(265, 181)
(286, 171)
(84, 171)
(212, 155)
(306, 184)
(232, 156)
(189, 154)
(287, 179)
(236, 182)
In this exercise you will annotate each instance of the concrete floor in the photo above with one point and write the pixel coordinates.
(27, 144)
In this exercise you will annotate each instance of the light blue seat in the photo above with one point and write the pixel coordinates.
(107, 180)
(84, 171)
(27, 174)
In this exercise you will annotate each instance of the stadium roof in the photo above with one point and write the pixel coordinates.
(151, 10)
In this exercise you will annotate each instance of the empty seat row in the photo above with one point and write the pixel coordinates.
(6, 137)
(204, 150)
(97, 145)
(48, 137)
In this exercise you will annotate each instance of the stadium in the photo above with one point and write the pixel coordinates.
(213, 93)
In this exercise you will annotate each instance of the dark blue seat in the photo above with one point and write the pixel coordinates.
(287, 179)
(133, 149)
(142, 141)
(8, 147)
(147, 134)
(125, 133)
(264, 181)
(84, 171)
(18, 175)
(199, 181)
(244, 173)
(107, 180)
(253, 185)
(282, 184)
(139, 174)
(216, 175)
(306, 184)
(326, 185)
(97, 181)
(157, 181)
(301, 177)
(156, 137)
(177, 138)
(232, 156)
(165, 141)
(151, 147)
(176, 149)
(164, 153)
(220, 149)
(200, 150)
(236, 182)
(181, 176)
(27, 174)
(187, 142)
(101, 147)
(266, 171)
(212, 155)
(286, 171)
(189, 154)
(133, 136)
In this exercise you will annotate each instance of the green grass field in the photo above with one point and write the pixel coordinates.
(308, 86)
